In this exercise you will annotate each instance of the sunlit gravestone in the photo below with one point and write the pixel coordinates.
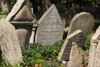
(50, 29)
(21, 17)
(10, 47)
(83, 21)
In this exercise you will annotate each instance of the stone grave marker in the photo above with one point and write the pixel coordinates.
(22, 18)
(9, 43)
(20, 12)
(15, 9)
(83, 21)
(50, 27)
(77, 37)
(75, 59)
(94, 51)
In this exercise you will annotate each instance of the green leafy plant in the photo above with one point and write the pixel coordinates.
(35, 53)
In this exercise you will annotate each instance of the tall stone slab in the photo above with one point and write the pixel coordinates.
(76, 56)
(50, 27)
(83, 21)
(9, 43)
(94, 54)
(77, 37)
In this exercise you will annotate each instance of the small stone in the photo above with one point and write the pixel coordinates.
(63, 62)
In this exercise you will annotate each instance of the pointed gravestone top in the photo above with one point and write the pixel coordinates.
(15, 9)
(50, 27)
(94, 51)
(77, 37)
(75, 59)
(83, 21)
(20, 12)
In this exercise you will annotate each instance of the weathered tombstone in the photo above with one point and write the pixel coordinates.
(15, 9)
(83, 21)
(76, 56)
(9, 43)
(21, 17)
(50, 27)
(94, 53)
(77, 37)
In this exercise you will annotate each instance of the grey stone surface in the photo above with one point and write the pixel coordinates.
(15, 9)
(94, 54)
(83, 21)
(50, 27)
(32, 37)
(24, 34)
(20, 12)
(75, 59)
(24, 14)
(9, 43)
(77, 37)
(22, 18)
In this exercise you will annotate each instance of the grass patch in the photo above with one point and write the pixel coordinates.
(2, 15)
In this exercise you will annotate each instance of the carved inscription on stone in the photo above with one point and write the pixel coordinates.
(77, 37)
(51, 28)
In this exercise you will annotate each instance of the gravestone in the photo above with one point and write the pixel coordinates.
(77, 37)
(75, 59)
(11, 51)
(20, 12)
(94, 51)
(15, 9)
(22, 18)
(83, 21)
(50, 27)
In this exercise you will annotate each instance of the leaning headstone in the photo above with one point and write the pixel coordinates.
(94, 53)
(77, 37)
(21, 17)
(76, 56)
(9, 43)
(83, 21)
(50, 27)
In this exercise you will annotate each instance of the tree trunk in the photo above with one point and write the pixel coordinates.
(44, 6)
(6, 6)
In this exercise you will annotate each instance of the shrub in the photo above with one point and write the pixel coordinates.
(35, 53)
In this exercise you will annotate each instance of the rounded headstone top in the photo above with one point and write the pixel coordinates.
(83, 21)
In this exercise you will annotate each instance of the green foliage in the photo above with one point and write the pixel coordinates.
(84, 62)
(12, 3)
(35, 53)
(87, 43)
